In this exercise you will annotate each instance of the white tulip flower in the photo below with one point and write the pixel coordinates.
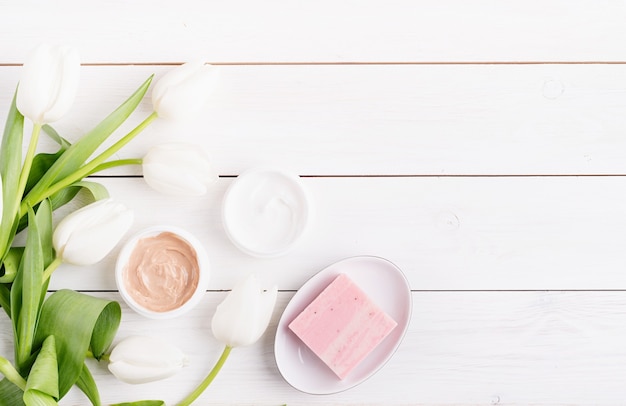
(178, 169)
(142, 359)
(183, 91)
(242, 318)
(48, 83)
(87, 235)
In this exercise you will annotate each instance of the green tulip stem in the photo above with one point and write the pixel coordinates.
(9, 372)
(116, 163)
(51, 268)
(28, 161)
(207, 381)
(85, 170)
(97, 161)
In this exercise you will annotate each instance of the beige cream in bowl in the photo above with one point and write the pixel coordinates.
(162, 272)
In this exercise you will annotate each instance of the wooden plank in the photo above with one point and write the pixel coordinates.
(323, 31)
(383, 119)
(486, 233)
(461, 348)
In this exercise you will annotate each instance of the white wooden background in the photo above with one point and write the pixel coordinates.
(479, 145)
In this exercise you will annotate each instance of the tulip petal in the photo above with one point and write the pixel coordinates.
(178, 169)
(136, 374)
(173, 78)
(148, 351)
(87, 235)
(242, 318)
(139, 359)
(48, 83)
(68, 67)
(183, 91)
(29, 100)
(176, 182)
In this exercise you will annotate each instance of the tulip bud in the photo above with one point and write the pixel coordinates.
(184, 90)
(242, 318)
(87, 235)
(178, 169)
(48, 83)
(140, 359)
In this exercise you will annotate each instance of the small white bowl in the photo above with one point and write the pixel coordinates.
(203, 269)
(265, 212)
(384, 283)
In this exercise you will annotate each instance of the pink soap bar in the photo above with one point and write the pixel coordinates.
(342, 325)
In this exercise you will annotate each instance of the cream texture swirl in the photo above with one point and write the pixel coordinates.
(162, 272)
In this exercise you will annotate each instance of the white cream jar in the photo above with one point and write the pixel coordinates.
(265, 212)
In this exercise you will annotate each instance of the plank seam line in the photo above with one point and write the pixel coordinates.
(412, 290)
(598, 175)
(347, 63)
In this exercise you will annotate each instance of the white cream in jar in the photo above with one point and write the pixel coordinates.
(265, 212)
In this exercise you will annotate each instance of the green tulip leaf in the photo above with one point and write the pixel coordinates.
(78, 322)
(97, 190)
(65, 195)
(42, 386)
(142, 403)
(10, 169)
(43, 218)
(5, 298)
(87, 384)
(16, 306)
(29, 289)
(103, 333)
(12, 395)
(11, 264)
(44, 225)
(41, 163)
(78, 153)
(54, 135)
(26, 294)
(11, 374)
